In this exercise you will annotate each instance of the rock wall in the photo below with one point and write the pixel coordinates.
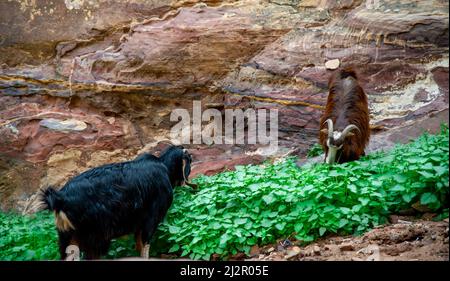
(87, 82)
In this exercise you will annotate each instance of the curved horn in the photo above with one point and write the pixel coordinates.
(166, 141)
(193, 185)
(186, 182)
(348, 129)
(330, 127)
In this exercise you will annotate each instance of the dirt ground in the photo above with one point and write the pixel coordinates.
(404, 240)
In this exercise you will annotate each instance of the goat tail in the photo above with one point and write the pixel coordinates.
(51, 198)
(45, 199)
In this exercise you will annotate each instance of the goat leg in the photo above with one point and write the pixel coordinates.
(145, 252)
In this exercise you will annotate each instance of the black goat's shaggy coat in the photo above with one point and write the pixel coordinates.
(116, 199)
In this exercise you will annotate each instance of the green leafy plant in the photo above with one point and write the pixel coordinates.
(315, 150)
(28, 237)
(258, 204)
(252, 205)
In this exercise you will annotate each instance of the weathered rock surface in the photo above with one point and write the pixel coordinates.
(114, 71)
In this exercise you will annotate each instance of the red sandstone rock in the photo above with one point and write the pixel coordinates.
(120, 67)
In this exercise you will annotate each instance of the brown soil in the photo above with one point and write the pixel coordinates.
(405, 240)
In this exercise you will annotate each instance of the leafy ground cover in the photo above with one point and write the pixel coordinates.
(315, 150)
(252, 205)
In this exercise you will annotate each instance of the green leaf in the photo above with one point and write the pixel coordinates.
(215, 225)
(313, 217)
(174, 248)
(426, 175)
(377, 183)
(335, 173)
(398, 188)
(240, 221)
(268, 199)
(298, 227)
(266, 223)
(428, 198)
(357, 208)
(441, 170)
(408, 197)
(352, 188)
(254, 187)
(223, 239)
(400, 178)
(364, 201)
(322, 230)
(173, 229)
(280, 226)
(342, 223)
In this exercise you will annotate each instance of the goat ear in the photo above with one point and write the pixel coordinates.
(324, 131)
(350, 134)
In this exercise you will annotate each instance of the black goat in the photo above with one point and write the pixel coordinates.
(117, 199)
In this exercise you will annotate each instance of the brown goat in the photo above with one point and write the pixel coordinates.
(344, 126)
